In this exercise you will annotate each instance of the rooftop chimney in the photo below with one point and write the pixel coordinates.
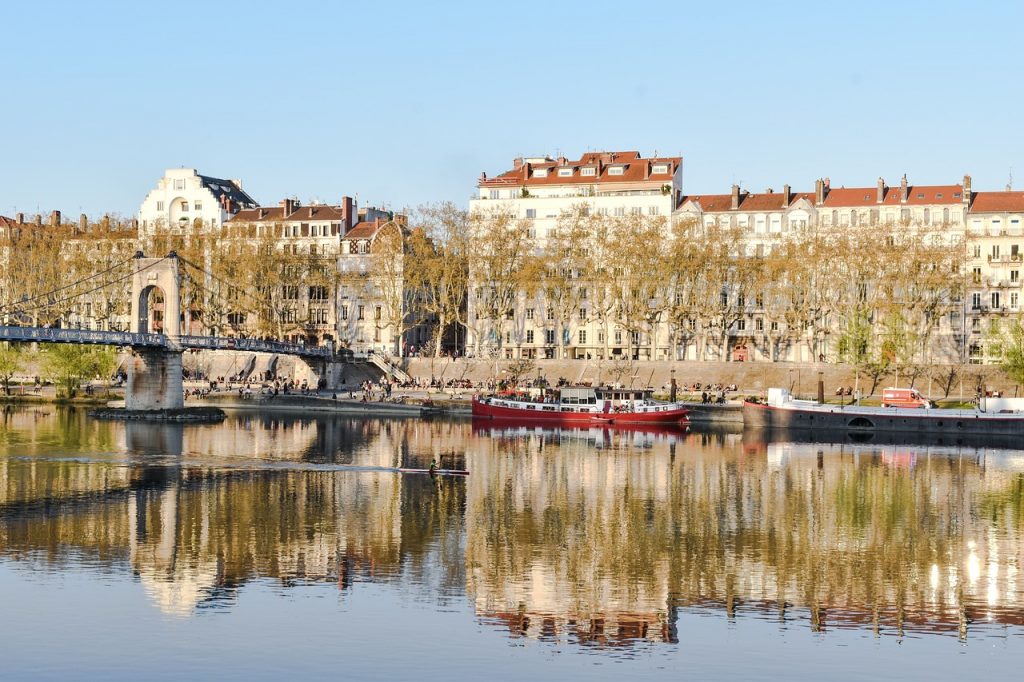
(903, 189)
(735, 197)
(517, 163)
(55, 218)
(786, 195)
(238, 183)
(348, 213)
(819, 192)
(289, 207)
(261, 214)
(83, 223)
(39, 220)
(967, 190)
(19, 218)
(880, 192)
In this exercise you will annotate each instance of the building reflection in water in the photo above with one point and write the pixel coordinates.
(595, 536)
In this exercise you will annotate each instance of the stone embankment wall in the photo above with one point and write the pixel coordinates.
(750, 377)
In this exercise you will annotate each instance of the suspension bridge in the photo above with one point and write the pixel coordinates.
(155, 337)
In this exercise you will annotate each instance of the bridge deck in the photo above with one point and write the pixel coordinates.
(108, 338)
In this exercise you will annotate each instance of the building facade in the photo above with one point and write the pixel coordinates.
(185, 199)
(540, 192)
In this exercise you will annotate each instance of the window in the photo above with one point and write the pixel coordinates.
(318, 315)
(976, 301)
(344, 312)
(589, 172)
(529, 336)
(653, 210)
(531, 213)
(995, 251)
(508, 314)
(360, 313)
(1014, 275)
(774, 326)
(741, 325)
(1013, 300)
(540, 172)
(583, 336)
(618, 337)
(583, 293)
(995, 299)
(583, 313)
(551, 313)
(494, 194)
(565, 172)
(529, 313)
(659, 168)
(635, 210)
(197, 205)
(179, 184)
(549, 336)
(976, 275)
(377, 312)
(620, 211)
(184, 207)
(977, 250)
(616, 170)
(159, 205)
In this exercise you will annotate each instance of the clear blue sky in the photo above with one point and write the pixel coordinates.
(403, 103)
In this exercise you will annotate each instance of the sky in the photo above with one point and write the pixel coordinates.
(401, 104)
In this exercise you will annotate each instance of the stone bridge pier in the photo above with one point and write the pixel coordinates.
(154, 374)
(154, 380)
(315, 369)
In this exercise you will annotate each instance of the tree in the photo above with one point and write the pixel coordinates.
(11, 357)
(388, 265)
(499, 260)
(1011, 345)
(66, 365)
(438, 270)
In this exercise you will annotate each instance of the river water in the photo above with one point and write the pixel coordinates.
(279, 546)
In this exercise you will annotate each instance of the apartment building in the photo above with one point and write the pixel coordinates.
(311, 235)
(541, 190)
(184, 198)
(764, 220)
(376, 308)
(995, 259)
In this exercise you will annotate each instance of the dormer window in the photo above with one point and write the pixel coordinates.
(659, 168)
(590, 172)
(540, 172)
(616, 170)
(565, 172)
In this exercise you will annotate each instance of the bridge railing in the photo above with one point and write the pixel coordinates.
(255, 346)
(46, 334)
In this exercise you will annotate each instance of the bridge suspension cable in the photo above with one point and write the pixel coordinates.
(221, 280)
(66, 286)
(22, 311)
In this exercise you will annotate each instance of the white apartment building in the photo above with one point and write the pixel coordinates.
(768, 218)
(995, 260)
(184, 198)
(540, 190)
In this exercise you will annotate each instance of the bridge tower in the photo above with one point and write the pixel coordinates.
(154, 374)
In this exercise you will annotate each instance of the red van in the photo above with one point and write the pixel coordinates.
(904, 397)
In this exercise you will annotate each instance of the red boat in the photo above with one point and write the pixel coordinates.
(581, 405)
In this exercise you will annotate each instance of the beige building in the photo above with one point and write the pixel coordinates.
(540, 191)
(768, 219)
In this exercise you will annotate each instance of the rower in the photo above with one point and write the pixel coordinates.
(433, 467)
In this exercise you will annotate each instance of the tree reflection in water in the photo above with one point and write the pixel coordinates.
(598, 537)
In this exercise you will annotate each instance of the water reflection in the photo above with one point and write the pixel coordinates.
(593, 537)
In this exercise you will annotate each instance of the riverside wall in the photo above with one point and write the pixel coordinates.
(749, 377)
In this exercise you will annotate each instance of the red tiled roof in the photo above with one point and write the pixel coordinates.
(767, 201)
(991, 202)
(636, 169)
(276, 214)
(916, 195)
(363, 230)
(7, 222)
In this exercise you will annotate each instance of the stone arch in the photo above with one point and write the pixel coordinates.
(145, 312)
(153, 274)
